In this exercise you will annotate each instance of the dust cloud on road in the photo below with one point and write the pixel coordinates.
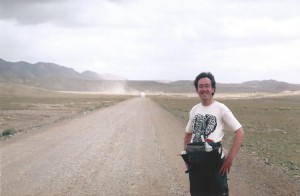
(127, 149)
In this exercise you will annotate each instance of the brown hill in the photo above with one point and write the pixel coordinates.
(23, 70)
(55, 77)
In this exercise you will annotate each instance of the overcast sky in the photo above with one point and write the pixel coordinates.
(236, 40)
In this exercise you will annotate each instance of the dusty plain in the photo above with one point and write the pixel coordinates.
(268, 163)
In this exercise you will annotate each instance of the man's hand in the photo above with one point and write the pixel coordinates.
(225, 169)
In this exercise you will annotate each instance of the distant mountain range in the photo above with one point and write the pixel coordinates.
(26, 70)
(55, 77)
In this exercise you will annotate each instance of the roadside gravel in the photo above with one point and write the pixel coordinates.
(126, 149)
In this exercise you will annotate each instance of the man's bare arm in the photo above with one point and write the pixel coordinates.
(238, 140)
(187, 139)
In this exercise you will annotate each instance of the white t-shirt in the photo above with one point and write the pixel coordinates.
(210, 121)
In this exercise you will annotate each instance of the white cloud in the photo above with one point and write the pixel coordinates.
(156, 39)
(263, 27)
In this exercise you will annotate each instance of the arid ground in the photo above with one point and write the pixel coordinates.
(112, 145)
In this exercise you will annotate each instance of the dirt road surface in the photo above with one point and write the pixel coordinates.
(127, 149)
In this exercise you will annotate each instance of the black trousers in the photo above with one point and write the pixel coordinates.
(204, 176)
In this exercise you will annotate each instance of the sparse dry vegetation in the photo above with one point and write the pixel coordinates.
(271, 124)
(8, 132)
(23, 108)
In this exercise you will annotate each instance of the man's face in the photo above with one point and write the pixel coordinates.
(205, 89)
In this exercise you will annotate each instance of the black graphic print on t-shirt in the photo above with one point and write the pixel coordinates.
(203, 125)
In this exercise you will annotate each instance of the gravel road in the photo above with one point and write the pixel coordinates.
(127, 149)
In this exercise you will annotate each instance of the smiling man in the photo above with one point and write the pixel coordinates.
(208, 165)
